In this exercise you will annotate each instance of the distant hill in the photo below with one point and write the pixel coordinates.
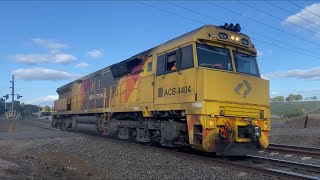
(293, 108)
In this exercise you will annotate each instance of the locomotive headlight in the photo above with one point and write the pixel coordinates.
(237, 38)
(257, 131)
(233, 37)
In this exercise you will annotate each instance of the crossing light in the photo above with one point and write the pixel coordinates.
(6, 96)
(18, 96)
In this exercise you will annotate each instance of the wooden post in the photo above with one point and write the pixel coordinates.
(306, 121)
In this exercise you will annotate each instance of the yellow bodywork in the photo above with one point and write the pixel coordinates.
(207, 96)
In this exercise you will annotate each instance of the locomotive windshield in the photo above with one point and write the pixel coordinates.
(246, 63)
(214, 57)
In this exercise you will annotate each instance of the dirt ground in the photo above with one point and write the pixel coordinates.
(47, 165)
(18, 162)
(292, 131)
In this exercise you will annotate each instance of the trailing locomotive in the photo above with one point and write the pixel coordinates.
(201, 90)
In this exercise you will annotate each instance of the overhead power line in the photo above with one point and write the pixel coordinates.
(265, 42)
(170, 12)
(279, 18)
(262, 35)
(196, 12)
(219, 20)
(267, 25)
(303, 8)
(291, 13)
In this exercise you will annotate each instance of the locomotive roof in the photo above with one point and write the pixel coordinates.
(157, 49)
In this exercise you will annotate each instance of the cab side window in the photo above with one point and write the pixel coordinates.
(172, 62)
(179, 59)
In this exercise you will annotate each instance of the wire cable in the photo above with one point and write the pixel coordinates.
(204, 15)
(291, 13)
(196, 12)
(171, 12)
(317, 58)
(303, 8)
(279, 18)
(251, 38)
(267, 25)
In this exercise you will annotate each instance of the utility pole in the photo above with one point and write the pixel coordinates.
(12, 94)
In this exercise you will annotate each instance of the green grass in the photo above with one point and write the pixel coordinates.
(287, 108)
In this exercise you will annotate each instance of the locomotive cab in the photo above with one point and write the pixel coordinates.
(232, 100)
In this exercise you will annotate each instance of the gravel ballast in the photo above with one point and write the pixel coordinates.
(88, 157)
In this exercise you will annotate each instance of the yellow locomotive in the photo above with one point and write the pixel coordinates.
(201, 90)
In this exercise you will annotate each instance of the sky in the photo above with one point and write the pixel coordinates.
(48, 44)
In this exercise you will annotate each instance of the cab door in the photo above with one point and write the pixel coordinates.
(175, 77)
(146, 83)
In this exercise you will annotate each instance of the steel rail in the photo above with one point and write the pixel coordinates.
(215, 161)
(40, 125)
(299, 150)
(253, 169)
(285, 163)
(225, 163)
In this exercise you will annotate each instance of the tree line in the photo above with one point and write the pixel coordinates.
(26, 110)
(292, 97)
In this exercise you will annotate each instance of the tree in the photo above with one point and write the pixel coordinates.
(278, 99)
(46, 109)
(298, 97)
(293, 97)
(28, 109)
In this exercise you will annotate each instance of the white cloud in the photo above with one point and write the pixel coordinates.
(259, 53)
(61, 58)
(31, 58)
(312, 74)
(82, 65)
(95, 54)
(304, 17)
(307, 91)
(274, 93)
(51, 44)
(43, 101)
(64, 58)
(42, 74)
(53, 56)
(265, 77)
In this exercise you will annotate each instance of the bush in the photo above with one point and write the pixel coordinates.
(45, 113)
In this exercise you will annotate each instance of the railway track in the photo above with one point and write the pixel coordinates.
(243, 165)
(287, 164)
(254, 168)
(253, 165)
(40, 124)
(304, 151)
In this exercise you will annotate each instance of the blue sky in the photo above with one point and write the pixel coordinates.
(46, 44)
